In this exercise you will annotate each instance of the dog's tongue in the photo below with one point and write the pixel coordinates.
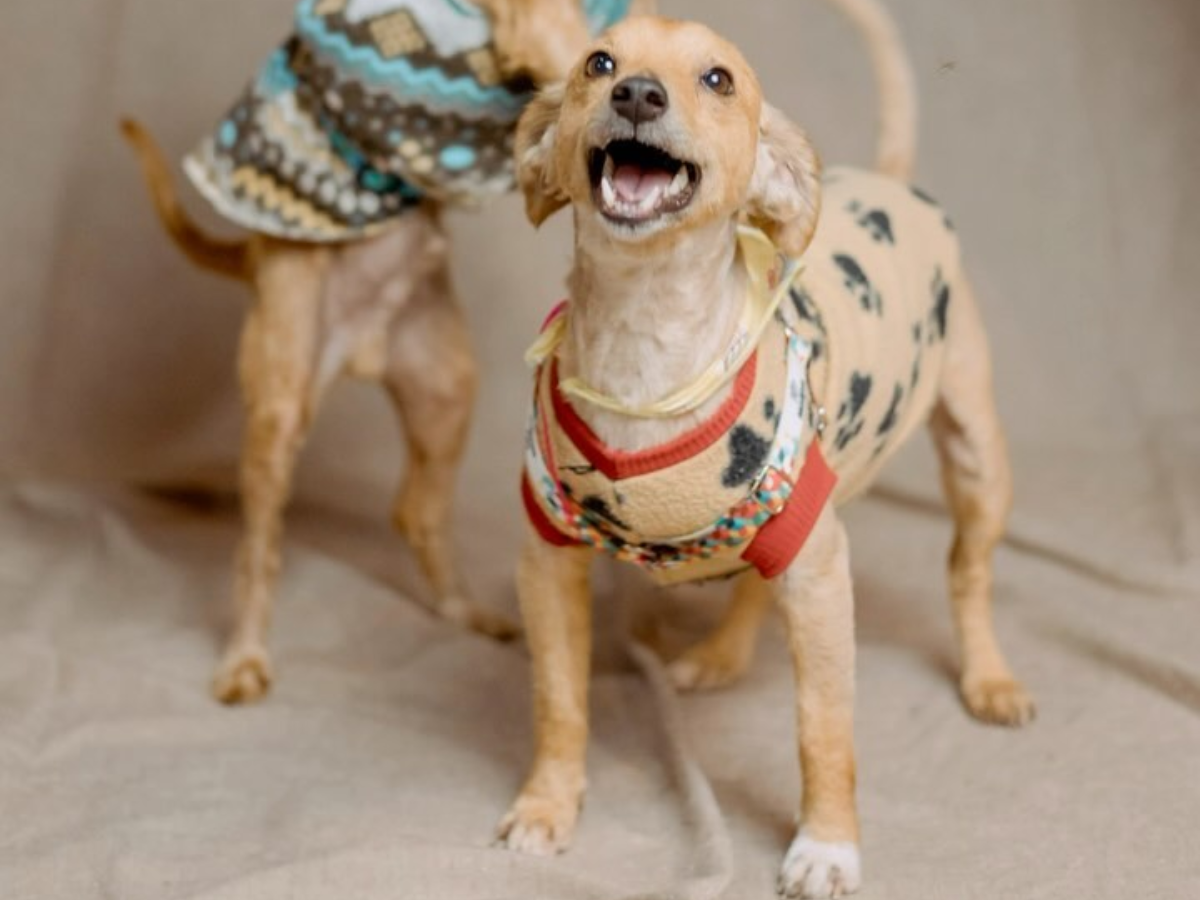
(635, 183)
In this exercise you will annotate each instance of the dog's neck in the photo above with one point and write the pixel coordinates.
(647, 320)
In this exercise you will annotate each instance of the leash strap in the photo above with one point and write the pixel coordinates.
(771, 276)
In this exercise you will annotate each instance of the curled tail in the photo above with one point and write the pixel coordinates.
(225, 257)
(895, 83)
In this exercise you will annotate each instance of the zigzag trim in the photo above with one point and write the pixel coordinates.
(430, 83)
(280, 199)
(213, 182)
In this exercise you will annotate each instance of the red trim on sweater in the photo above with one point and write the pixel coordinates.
(780, 540)
(540, 521)
(620, 464)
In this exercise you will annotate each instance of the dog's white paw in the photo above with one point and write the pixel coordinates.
(537, 826)
(817, 870)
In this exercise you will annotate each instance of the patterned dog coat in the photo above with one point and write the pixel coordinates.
(845, 372)
(368, 107)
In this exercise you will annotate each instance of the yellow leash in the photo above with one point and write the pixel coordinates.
(771, 276)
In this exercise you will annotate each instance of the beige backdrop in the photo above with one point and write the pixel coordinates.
(1061, 136)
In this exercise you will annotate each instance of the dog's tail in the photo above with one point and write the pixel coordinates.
(896, 84)
(225, 257)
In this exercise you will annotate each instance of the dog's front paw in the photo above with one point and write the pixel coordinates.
(243, 676)
(816, 870)
(539, 826)
(998, 701)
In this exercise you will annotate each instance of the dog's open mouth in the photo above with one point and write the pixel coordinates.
(634, 183)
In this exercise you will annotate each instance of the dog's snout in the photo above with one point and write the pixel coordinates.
(640, 99)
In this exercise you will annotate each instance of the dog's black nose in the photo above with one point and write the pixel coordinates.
(640, 99)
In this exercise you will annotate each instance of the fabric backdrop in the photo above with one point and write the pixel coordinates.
(1060, 136)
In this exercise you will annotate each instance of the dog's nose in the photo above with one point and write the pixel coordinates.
(640, 99)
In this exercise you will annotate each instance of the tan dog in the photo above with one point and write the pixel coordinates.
(381, 309)
(662, 145)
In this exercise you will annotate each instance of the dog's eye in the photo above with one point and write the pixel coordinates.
(600, 65)
(719, 81)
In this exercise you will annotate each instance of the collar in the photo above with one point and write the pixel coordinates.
(771, 275)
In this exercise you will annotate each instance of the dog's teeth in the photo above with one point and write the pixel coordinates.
(649, 203)
(679, 183)
(610, 167)
(608, 192)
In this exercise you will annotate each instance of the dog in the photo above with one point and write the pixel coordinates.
(340, 169)
(746, 345)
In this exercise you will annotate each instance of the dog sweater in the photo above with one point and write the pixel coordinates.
(368, 107)
(875, 299)
(845, 371)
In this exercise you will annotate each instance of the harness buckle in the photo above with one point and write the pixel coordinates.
(773, 489)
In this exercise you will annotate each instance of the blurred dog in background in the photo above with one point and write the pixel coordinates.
(372, 118)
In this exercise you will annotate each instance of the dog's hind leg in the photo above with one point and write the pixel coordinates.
(276, 363)
(431, 376)
(978, 484)
(723, 656)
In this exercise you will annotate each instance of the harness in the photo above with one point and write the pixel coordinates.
(721, 498)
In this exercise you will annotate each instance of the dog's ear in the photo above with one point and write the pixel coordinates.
(785, 191)
(537, 39)
(534, 149)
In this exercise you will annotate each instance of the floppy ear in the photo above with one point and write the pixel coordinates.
(534, 149)
(785, 191)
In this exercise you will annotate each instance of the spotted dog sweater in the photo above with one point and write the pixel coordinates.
(844, 373)
(369, 106)
(875, 301)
